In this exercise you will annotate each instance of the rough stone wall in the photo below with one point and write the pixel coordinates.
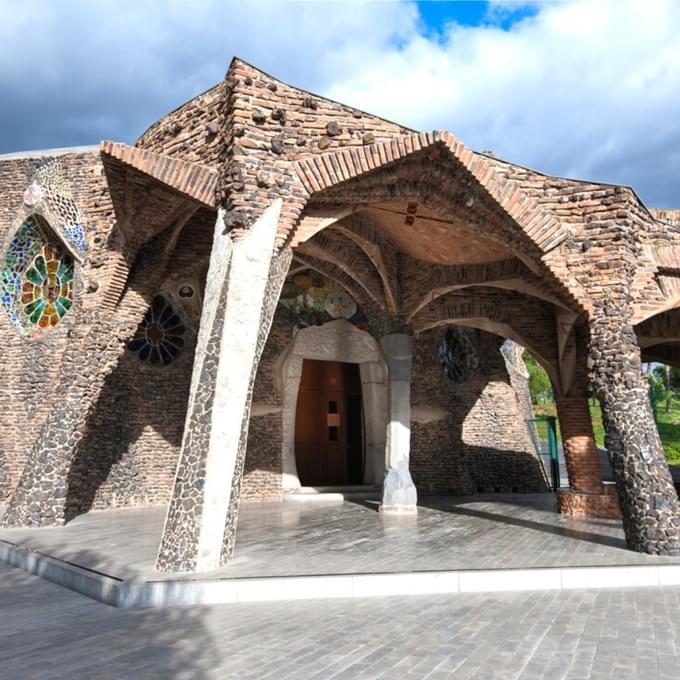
(30, 367)
(470, 436)
(191, 131)
(263, 466)
(607, 225)
(129, 453)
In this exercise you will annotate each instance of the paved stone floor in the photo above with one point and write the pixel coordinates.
(283, 539)
(48, 632)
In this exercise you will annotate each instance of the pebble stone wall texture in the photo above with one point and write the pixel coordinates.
(573, 271)
(96, 338)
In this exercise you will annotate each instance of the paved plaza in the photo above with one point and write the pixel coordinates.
(51, 632)
(293, 538)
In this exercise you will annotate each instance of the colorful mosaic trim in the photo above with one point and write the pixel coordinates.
(312, 300)
(50, 185)
(161, 335)
(36, 279)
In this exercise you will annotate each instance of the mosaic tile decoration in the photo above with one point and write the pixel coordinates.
(50, 184)
(36, 279)
(161, 335)
(312, 300)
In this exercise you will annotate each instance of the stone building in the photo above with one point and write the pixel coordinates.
(271, 289)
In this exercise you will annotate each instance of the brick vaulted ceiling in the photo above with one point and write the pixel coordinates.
(422, 234)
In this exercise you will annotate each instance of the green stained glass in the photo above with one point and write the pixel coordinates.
(36, 278)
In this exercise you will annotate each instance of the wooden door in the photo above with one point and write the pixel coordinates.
(321, 424)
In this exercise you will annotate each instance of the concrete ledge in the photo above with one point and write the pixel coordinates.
(96, 585)
(192, 591)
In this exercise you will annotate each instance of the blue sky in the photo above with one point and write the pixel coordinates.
(436, 14)
(581, 88)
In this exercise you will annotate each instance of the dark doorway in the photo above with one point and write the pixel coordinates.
(329, 440)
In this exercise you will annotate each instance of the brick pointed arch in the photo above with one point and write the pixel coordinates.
(541, 227)
(326, 170)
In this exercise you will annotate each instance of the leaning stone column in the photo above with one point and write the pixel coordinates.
(648, 500)
(243, 288)
(399, 492)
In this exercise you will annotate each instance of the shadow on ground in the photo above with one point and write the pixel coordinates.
(49, 631)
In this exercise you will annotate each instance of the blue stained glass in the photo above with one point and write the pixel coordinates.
(160, 335)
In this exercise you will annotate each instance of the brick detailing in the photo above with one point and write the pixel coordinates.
(321, 172)
(580, 504)
(521, 318)
(194, 181)
(192, 131)
(580, 449)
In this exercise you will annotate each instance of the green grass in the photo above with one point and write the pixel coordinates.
(667, 423)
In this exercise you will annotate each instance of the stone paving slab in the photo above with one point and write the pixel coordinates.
(50, 632)
(289, 539)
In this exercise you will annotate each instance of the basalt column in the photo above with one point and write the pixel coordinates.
(649, 503)
(243, 287)
(399, 492)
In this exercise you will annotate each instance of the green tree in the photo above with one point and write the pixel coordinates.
(539, 382)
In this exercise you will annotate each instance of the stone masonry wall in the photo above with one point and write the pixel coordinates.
(129, 455)
(30, 366)
(470, 436)
(262, 471)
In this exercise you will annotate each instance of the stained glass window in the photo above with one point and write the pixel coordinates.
(311, 300)
(36, 279)
(457, 355)
(161, 335)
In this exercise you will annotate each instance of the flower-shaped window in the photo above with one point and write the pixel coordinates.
(36, 279)
(457, 355)
(160, 336)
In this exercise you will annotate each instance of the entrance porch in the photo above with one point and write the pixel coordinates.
(491, 542)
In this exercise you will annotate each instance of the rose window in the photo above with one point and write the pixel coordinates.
(160, 336)
(36, 279)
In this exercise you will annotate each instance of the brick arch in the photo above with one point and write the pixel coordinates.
(488, 317)
(530, 230)
(646, 313)
(663, 327)
(321, 172)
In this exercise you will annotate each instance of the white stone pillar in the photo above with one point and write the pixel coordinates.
(399, 492)
(241, 294)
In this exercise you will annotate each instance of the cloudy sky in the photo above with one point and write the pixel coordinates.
(588, 89)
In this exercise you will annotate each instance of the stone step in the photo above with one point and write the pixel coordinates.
(193, 589)
(332, 494)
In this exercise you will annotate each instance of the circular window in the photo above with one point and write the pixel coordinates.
(458, 355)
(36, 279)
(160, 336)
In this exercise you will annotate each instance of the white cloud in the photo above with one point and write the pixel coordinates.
(590, 89)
